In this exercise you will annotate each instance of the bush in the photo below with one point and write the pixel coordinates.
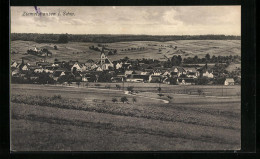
(97, 85)
(134, 100)
(54, 97)
(118, 86)
(160, 95)
(169, 97)
(200, 92)
(107, 86)
(114, 100)
(124, 99)
(130, 88)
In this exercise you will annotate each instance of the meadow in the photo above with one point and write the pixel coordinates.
(63, 117)
(154, 50)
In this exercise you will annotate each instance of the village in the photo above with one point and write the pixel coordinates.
(123, 70)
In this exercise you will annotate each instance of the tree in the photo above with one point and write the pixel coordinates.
(160, 95)
(207, 56)
(78, 83)
(107, 86)
(176, 61)
(199, 91)
(159, 89)
(202, 81)
(130, 88)
(55, 47)
(124, 99)
(63, 38)
(114, 100)
(118, 86)
(173, 81)
(134, 99)
(170, 97)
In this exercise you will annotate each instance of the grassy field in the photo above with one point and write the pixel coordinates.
(186, 122)
(80, 51)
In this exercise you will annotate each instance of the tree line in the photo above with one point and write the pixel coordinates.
(64, 38)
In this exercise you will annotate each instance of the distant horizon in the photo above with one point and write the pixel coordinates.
(128, 34)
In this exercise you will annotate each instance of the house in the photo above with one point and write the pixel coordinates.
(15, 72)
(137, 72)
(185, 81)
(58, 73)
(145, 73)
(192, 74)
(174, 74)
(117, 79)
(190, 69)
(119, 65)
(14, 64)
(128, 72)
(155, 79)
(166, 73)
(42, 64)
(23, 67)
(137, 78)
(94, 66)
(207, 73)
(99, 69)
(157, 72)
(229, 82)
(179, 70)
(79, 67)
(166, 80)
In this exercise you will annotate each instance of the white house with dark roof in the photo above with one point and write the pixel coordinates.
(208, 73)
(229, 82)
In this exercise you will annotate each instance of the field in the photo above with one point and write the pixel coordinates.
(80, 51)
(85, 122)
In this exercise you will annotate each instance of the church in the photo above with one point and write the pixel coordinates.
(104, 62)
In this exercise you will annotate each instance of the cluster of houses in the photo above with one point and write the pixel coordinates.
(119, 71)
(39, 52)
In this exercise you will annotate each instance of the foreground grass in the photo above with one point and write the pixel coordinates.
(163, 113)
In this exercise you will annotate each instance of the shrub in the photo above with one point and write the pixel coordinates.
(53, 97)
(114, 100)
(124, 99)
(169, 97)
(134, 100)
(160, 95)
(159, 89)
(107, 86)
(97, 85)
(118, 86)
(130, 88)
(200, 92)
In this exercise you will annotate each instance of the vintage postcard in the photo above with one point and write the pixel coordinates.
(125, 78)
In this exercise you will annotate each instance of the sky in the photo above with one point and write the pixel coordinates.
(148, 20)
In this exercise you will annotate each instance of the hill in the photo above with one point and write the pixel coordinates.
(151, 49)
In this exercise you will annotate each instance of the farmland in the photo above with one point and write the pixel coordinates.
(89, 120)
(154, 50)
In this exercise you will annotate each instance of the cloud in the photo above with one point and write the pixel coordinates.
(165, 20)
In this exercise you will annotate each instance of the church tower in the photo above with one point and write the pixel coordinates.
(102, 58)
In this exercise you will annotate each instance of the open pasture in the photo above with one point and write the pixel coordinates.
(185, 123)
(80, 50)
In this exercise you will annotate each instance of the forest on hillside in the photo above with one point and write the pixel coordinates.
(100, 38)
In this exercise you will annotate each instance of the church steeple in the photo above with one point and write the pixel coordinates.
(102, 58)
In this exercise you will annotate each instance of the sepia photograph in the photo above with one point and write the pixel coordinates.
(125, 78)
